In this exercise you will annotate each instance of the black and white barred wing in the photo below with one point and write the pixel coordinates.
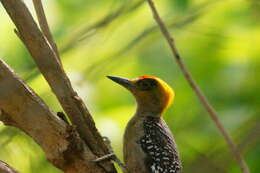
(159, 146)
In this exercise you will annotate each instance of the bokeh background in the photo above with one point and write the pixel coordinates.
(219, 42)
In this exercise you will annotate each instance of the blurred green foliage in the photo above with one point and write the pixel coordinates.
(219, 41)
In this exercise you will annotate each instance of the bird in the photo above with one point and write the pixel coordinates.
(148, 144)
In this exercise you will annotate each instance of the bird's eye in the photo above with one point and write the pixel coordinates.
(146, 84)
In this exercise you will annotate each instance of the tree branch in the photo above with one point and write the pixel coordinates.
(22, 108)
(44, 25)
(212, 112)
(48, 64)
(5, 168)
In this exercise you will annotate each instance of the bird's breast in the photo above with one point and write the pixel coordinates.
(149, 147)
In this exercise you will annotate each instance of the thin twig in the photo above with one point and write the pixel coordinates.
(212, 112)
(44, 26)
(113, 156)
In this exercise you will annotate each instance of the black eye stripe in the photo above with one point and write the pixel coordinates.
(146, 84)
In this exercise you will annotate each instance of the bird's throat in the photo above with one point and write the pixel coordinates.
(149, 112)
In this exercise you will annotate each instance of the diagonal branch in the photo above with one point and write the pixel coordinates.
(48, 64)
(212, 112)
(44, 25)
(22, 108)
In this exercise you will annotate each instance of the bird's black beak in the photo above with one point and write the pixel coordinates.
(122, 81)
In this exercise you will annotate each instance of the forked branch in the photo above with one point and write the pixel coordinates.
(22, 108)
(49, 65)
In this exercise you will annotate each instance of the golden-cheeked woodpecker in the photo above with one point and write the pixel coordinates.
(149, 146)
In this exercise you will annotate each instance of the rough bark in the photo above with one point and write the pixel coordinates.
(22, 108)
(47, 62)
(67, 148)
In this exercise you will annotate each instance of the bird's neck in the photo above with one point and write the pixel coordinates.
(148, 112)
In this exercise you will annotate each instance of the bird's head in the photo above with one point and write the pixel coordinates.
(152, 94)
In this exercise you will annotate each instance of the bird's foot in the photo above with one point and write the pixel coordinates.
(105, 157)
(111, 156)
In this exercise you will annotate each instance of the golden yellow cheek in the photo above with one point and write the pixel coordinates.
(167, 92)
(169, 98)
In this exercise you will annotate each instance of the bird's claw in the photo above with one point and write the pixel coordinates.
(111, 155)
